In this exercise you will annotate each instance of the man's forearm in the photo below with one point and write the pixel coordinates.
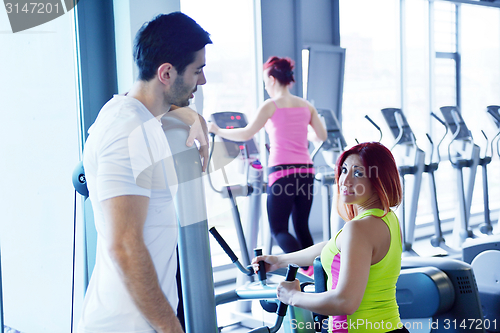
(142, 283)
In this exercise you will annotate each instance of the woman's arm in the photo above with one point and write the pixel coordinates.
(246, 133)
(198, 129)
(317, 125)
(356, 257)
(303, 257)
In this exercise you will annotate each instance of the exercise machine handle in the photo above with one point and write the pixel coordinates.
(290, 276)
(442, 122)
(248, 271)
(373, 123)
(223, 244)
(313, 154)
(486, 157)
(319, 287)
(432, 147)
(376, 126)
(262, 266)
(439, 119)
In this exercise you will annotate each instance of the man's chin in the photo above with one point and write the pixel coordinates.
(182, 104)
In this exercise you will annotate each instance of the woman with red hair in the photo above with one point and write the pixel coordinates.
(363, 260)
(291, 174)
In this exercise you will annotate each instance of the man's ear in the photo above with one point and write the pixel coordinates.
(166, 73)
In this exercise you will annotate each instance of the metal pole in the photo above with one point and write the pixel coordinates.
(194, 246)
(255, 176)
(1, 298)
(326, 208)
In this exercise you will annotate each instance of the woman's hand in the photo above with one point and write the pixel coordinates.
(213, 128)
(287, 290)
(198, 130)
(271, 263)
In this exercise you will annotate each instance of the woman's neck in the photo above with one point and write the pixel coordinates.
(372, 203)
(280, 91)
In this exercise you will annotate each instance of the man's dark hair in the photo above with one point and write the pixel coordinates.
(172, 38)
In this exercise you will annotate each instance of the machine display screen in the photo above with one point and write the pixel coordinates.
(233, 124)
(234, 120)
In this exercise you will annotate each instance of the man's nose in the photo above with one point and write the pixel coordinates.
(202, 79)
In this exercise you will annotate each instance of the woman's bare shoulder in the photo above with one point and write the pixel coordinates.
(367, 226)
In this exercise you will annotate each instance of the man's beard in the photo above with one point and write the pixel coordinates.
(179, 94)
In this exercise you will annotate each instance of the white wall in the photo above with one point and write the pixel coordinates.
(130, 15)
(39, 149)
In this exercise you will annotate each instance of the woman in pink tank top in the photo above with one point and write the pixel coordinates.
(286, 119)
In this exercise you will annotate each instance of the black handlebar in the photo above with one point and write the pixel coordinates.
(376, 126)
(223, 244)
(245, 270)
(290, 276)
(438, 119)
(262, 265)
(371, 121)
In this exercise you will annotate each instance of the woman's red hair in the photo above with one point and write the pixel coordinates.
(381, 169)
(281, 69)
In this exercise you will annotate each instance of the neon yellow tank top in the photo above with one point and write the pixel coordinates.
(378, 311)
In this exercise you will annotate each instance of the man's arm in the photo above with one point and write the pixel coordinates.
(127, 215)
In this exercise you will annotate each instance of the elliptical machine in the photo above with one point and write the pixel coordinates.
(437, 240)
(462, 153)
(457, 124)
(412, 162)
(252, 188)
(483, 253)
(332, 147)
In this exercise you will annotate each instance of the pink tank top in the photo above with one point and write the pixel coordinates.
(287, 130)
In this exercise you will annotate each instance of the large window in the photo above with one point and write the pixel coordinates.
(450, 56)
(480, 81)
(231, 74)
(372, 79)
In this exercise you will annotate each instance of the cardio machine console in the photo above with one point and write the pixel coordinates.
(235, 120)
(455, 122)
(390, 116)
(335, 140)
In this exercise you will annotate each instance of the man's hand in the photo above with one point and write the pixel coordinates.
(198, 131)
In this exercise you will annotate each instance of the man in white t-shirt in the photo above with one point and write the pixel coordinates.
(131, 182)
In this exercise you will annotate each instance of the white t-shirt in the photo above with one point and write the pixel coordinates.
(127, 153)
